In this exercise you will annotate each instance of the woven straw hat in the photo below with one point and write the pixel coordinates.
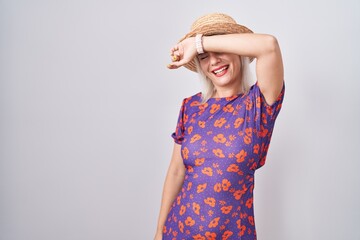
(214, 24)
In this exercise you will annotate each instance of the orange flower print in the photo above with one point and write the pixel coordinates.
(195, 138)
(194, 103)
(247, 139)
(269, 111)
(258, 102)
(198, 237)
(186, 118)
(185, 153)
(226, 235)
(217, 187)
(232, 137)
(238, 122)
(182, 210)
(201, 124)
(210, 201)
(263, 131)
(196, 208)
(210, 236)
(201, 187)
(214, 108)
(219, 138)
(240, 157)
(253, 166)
(228, 108)
(178, 200)
(207, 171)
(189, 221)
(218, 152)
(263, 118)
(220, 122)
(190, 129)
(248, 104)
(249, 202)
(238, 194)
(199, 161)
(251, 220)
(224, 140)
(189, 186)
(214, 222)
(210, 212)
(225, 184)
(256, 148)
(233, 168)
(226, 209)
(248, 131)
(262, 160)
(181, 226)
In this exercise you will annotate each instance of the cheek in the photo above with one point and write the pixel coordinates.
(237, 67)
(204, 68)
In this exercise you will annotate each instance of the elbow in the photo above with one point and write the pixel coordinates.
(272, 44)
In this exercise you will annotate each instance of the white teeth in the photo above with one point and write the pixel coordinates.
(220, 70)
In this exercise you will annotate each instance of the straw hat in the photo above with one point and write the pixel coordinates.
(214, 24)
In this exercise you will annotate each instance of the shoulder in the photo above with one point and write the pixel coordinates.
(190, 100)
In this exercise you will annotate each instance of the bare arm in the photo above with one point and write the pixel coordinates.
(264, 47)
(172, 186)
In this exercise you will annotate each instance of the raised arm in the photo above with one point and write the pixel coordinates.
(264, 47)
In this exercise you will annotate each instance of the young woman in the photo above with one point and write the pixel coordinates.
(223, 133)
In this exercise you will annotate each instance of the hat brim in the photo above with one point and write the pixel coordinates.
(215, 29)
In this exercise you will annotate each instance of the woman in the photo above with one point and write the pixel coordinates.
(223, 133)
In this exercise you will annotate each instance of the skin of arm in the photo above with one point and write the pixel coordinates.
(172, 186)
(264, 47)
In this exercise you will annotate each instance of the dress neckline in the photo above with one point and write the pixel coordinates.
(227, 99)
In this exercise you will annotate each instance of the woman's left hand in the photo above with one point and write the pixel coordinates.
(182, 53)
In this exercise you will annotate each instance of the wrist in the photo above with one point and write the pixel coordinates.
(199, 43)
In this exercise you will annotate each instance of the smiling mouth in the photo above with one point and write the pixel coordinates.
(220, 71)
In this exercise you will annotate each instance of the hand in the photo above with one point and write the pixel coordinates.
(182, 53)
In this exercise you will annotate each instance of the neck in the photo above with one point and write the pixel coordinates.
(220, 92)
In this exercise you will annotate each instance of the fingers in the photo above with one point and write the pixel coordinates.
(175, 65)
(177, 57)
(176, 48)
(175, 54)
(171, 66)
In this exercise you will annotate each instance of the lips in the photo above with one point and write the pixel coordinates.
(220, 71)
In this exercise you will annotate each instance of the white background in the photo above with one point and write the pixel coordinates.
(88, 106)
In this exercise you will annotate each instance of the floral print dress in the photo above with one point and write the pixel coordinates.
(223, 142)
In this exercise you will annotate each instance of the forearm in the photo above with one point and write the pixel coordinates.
(244, 44)
(172, 186)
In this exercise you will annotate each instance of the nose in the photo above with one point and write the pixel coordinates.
(214, 58)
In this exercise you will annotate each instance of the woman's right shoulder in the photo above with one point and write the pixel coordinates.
(192, 99)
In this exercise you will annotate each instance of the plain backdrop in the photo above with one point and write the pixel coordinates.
(87, 107)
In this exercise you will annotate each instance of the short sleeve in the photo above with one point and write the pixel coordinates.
(265, 116)
(266, 113)
(178, 135)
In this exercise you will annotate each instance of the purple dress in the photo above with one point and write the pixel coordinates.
(222, 142)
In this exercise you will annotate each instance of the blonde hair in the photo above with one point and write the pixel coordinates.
(209, 88)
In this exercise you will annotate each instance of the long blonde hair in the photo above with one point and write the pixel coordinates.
(209, 88)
